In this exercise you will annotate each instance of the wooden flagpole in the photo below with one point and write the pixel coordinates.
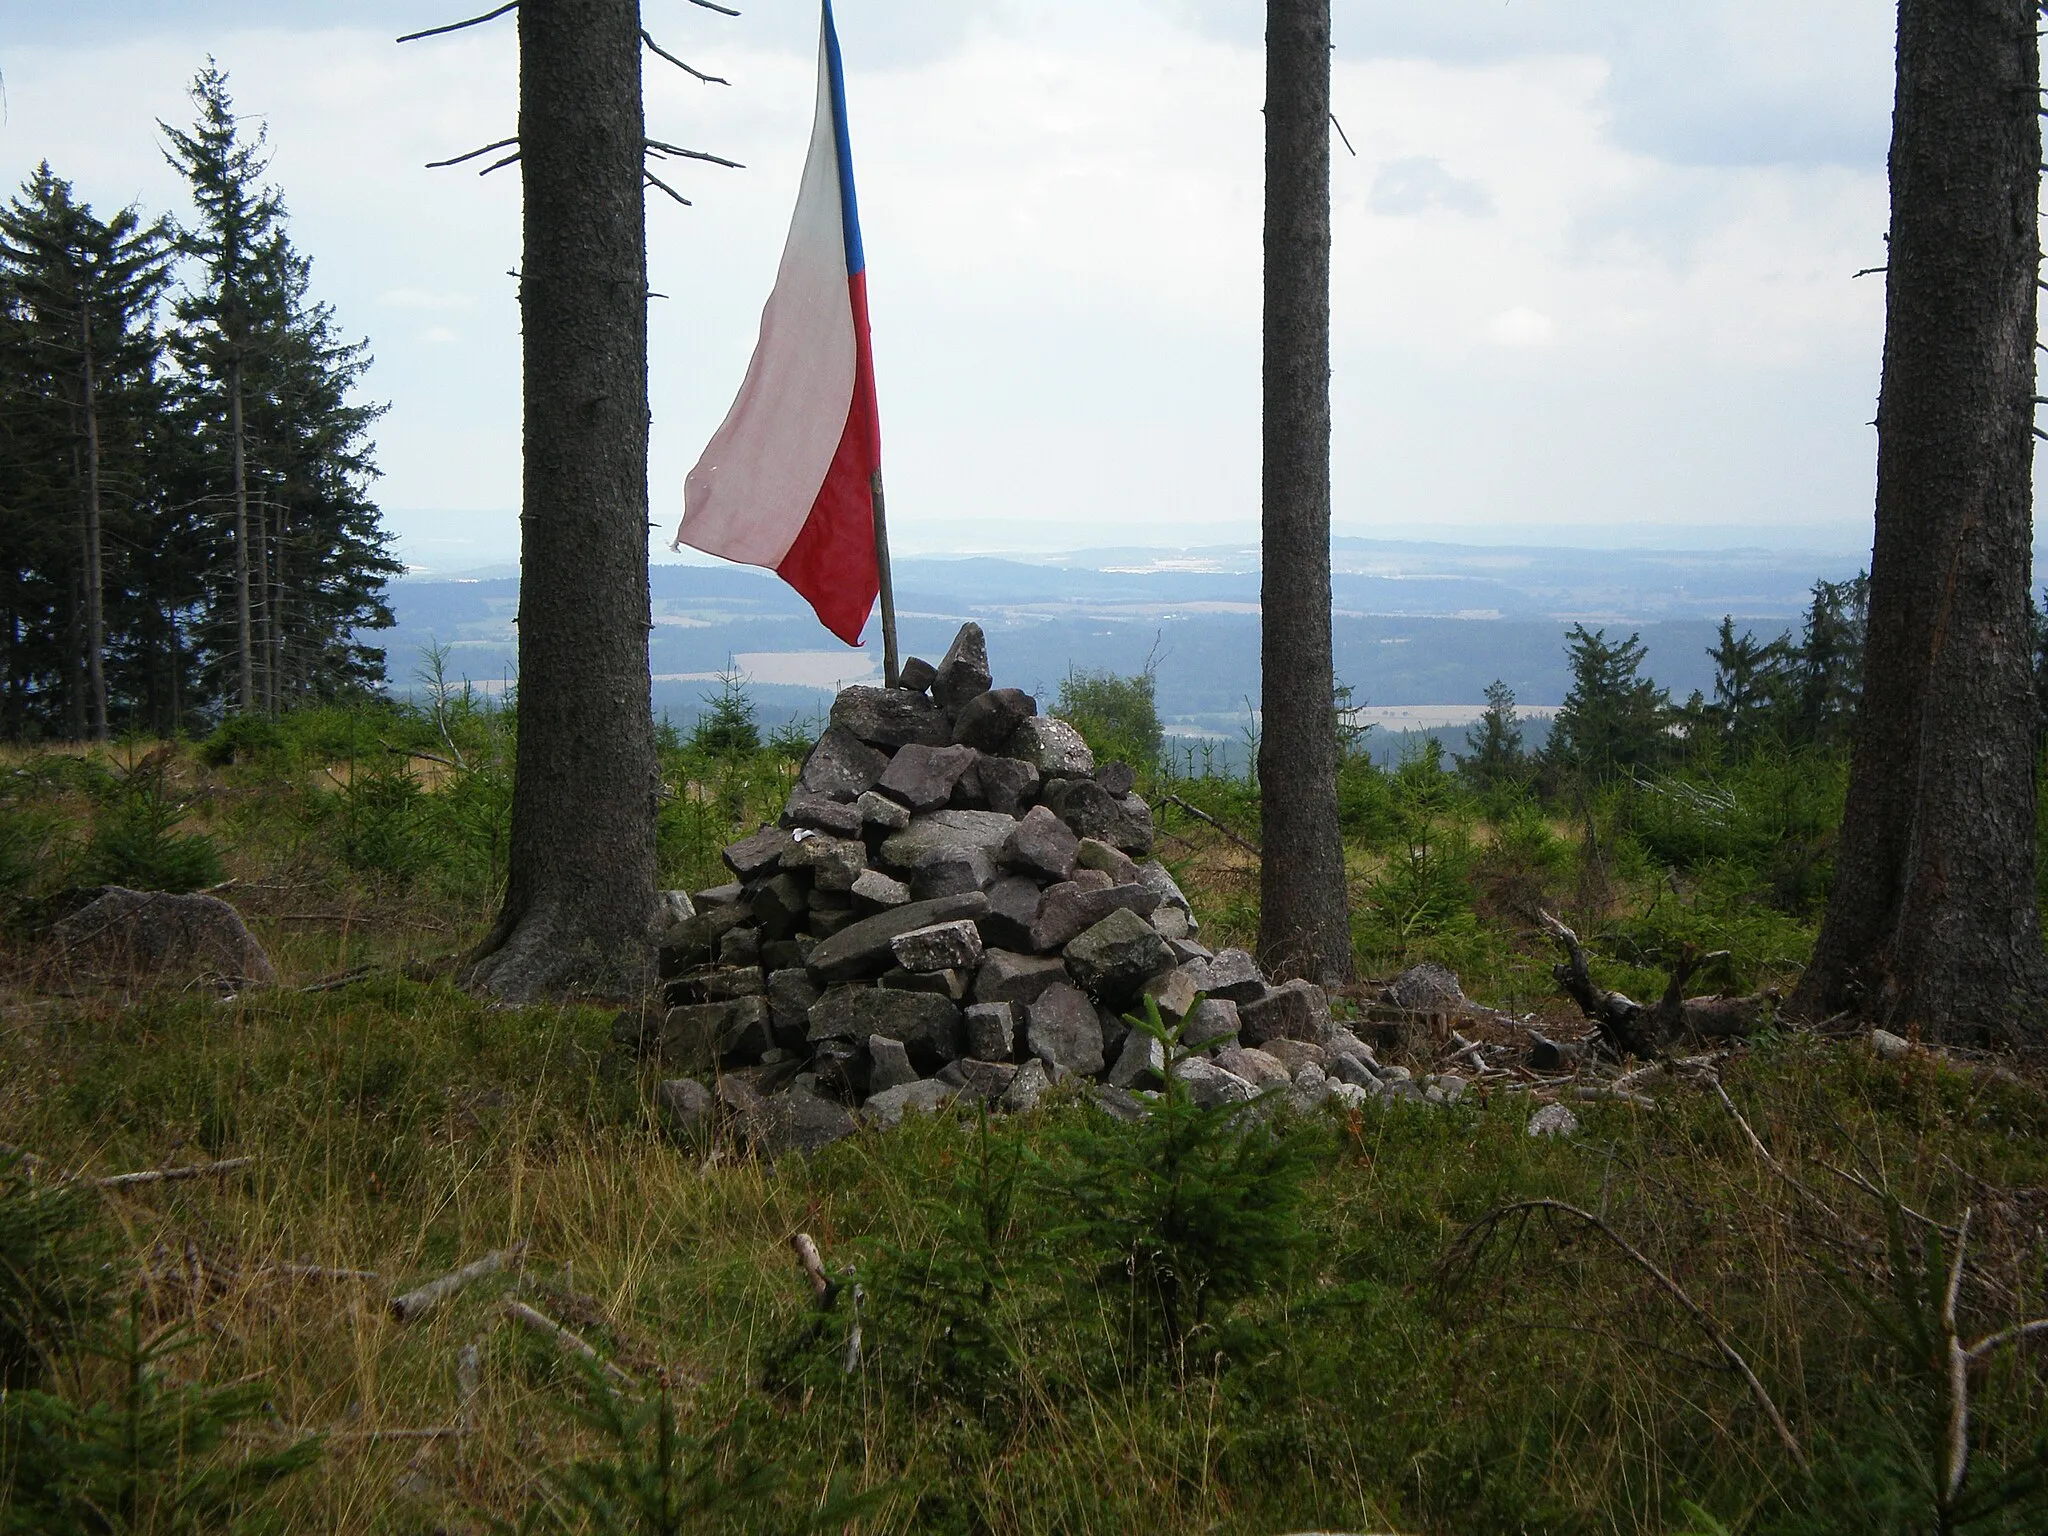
(891, 674)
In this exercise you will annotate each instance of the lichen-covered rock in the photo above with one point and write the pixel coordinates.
(916, 674)
(1118, 778)
(791, 992)
(947, 829)
(927, 1096)
(1553, 1120)
(1114, 958)
(923, 777)
(1026, 1088)
(991, 1031)
(1230, 974)
(962, 673)
(984, 1080)
(987, 721)
(821, 813)
(888, 1064)
(938, 947)
(1174, 991)
(1425, 988)
(156, 935)
(879, 890)
(1063, 1032)
(1012, 909)
(1051, 746)
(1008, 977)
(1295, 1010)
(926, 1023)
(1141, 1063)
(705, 1034)
(891, 717)
(758, 853)
(862, 947)
(1209, 1085)
(1256, 1067)
(1004, 784)
(1041, 845)
(1093, 853)
(793, 1121)
(1092, 811)
(718, 984)
(1213, 1019)
(878, 810)
(841, 766)
(1069, 909)
(834, 863)
(689, 1107)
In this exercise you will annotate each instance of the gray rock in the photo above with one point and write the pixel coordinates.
(1174, 991)
(1209, 1085)
(1170, 923)
(949, 984)
(1553, 1120)
(1350, 1095)
(1189, 949)
(1118, 778)
(1295, 1054)
(923, 777)
(1093, 853)
(834, 863)
(1119, 1103)
(841, 766)
(962, 672)
(824, 924)
(1114, 958)
(780, 905)
(862, 947)
(759, 853)
(1092, 811)
(1007, 977)
(927, 1024)
(689, 1107)
(888, 1064)
(1071, 908)
(888, 1107)
(879, 890)
(1213, 1019)
(1042, 845)
(1116, 1029)
(1449, 1085)
(1294, 1010)
(991, 1031)
(984, 1080)
(795, 1121)
(821, 813)
(891, 717)
(916, 674)
(719, 984)
(1026, 1088)
(1350, 1069)
(1339, 1041)
(1232, 974)
(1141, 1063)
(1395, 1074)
(1425, 988)
(675, 907)
(839, 1068)
(740, 945)
(1155, 877)
(1134, 833)
(1890, 1047)
(878, 810)
(1258, 1068)
(938, 831)
(1310, 1079)
(1555, 1055)
(1008, 784)
(727, 895)
(703, 1034)
(941, 946)
(1051, 746)
(1012, 909)
(790, 996)
(953, 872)
(1063, 1032)
(987, 721)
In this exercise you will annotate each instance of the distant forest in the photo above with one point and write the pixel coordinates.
(185, 508)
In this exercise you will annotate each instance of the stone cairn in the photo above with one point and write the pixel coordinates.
(959, 901)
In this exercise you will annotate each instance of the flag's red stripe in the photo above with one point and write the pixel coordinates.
(832, 562)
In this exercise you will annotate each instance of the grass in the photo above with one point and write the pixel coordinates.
(403, 1127)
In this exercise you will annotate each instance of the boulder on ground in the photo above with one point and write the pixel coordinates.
(891, 717)
(1026, 1088)
(1294, 1010)
(1063, 1031)
(888, 1064)
(1425, 988)
(132, 934)
(984, 1080)
(1051, 746)
(927, 1096)
(1209, 1085)
(687, 1104)
(962, 673)
(793, 1121)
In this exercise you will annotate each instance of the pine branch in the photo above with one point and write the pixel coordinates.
(457, 26)
(688, 69)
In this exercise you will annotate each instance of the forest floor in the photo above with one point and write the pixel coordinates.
(1741, 1323)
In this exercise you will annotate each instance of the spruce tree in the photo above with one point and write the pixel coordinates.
(1613, 719)
(82, 293)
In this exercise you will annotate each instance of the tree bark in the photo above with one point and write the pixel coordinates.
(245, 674)
(1933, 921)
(1304, 928)
(580, 901)
(95, 584)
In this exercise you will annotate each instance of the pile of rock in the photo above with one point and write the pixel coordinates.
(959, 901)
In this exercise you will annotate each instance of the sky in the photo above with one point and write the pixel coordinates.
(1593, 278)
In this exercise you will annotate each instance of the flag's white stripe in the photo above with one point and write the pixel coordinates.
(751, 492)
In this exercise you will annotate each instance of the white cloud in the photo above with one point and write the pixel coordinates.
(1520, 327)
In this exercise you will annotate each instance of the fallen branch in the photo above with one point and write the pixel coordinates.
(570, 1343)
(1472, 1241)
(814, 1267)
(1631, 1028)
(1201, 815)
(172, 1175)
(420, 1300)
(315, 1272)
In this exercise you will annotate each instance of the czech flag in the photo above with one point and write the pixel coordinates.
(788, 480)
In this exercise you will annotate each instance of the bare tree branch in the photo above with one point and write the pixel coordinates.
(676, 150)
(433, 165)
(655, 181)
(710, 6)
(457, 26)
(499, 165)
(688, 69)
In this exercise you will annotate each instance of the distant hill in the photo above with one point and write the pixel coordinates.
(1414, 624)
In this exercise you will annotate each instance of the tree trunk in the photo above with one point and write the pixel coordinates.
(245, 655)
(1933, 922)
(580, 901)
(95, 585)
(1303, 926)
